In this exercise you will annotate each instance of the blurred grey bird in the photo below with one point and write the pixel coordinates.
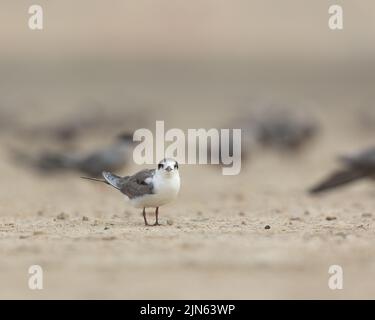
(270, 126)
(111, 158)
(281, 128)
(355, 167)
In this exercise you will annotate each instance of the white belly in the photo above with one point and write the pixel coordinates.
(165, 191)
(151, 201)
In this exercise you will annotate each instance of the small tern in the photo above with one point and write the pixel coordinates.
(149, 188)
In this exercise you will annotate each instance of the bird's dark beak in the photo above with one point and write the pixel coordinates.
(169, 169)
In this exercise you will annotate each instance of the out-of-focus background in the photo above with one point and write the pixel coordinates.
(102, 68)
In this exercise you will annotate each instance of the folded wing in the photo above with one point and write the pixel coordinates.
(138, 185)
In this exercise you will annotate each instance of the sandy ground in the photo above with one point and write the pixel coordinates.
(213, 243)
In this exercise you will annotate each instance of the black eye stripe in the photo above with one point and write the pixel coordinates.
(167, 164)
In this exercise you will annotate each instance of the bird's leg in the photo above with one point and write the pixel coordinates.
(157, 217)
(144, 217)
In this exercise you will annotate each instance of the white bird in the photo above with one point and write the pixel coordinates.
(149, 188)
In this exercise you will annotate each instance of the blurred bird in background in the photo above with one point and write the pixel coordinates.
(110, 158)
(275, 127)
(269, 126)
(280, 128)
(355, 167)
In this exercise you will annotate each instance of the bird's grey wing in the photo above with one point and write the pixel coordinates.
(364, 160)
(339, 178)
(143, 176)
(138, 184)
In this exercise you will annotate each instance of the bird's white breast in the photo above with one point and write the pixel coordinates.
(165, 190)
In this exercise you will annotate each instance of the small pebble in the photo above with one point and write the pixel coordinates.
(106, 228)
(361, 226)
(295, 219)
(84, 218)
(329, 218)
(62, 216)
(267, 227)
(170, 222)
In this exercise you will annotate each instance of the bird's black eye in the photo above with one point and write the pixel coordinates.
(176, 165)
(160, 166)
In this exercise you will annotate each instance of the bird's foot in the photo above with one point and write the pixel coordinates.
(157, 224)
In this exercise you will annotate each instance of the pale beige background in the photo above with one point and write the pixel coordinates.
(193, 64)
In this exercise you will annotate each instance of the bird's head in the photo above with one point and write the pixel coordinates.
(168, 167)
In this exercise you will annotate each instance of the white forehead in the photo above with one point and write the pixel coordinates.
(168, 162)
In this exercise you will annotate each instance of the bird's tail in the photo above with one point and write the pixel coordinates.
(113, 180)
(110, 179)
(338, 179)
